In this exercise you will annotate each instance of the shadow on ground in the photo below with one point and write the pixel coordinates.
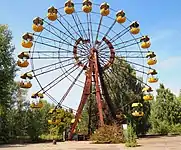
(11, 146)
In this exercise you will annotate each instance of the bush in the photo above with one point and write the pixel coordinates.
(160, 127)
(50, 137)
(164, 128)
(175, 129)
(130, 137)
(108, 134)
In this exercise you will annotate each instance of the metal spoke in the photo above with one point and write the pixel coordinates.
(98, 30)
(43, 88)
(50, 65)
(70, 25)
(117, 36)
(53, 57)
(124, 56)
(69, 89)
(81, 25)
(72, 38)
(63, 66)
(55, 101)
(53, 46)
(58, 41)
(62, 79)
(91, 29)
(110, 28)
(48, 71)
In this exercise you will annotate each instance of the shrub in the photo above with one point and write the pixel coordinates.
(160, 127)
(50, 137)
(108, 134)
(130, 137)
(175, 129)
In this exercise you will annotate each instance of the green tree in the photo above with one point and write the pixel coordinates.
(45, 116)
(7, 74)
(37, 121)
(56, 131)
(125, 88)
(17, 113)
(179, 97)
(165, 111)
(83, 124)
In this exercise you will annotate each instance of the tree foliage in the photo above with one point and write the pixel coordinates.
(179, 97)
(166, 111)
(126, 86)
(57, 130)
(7, 74)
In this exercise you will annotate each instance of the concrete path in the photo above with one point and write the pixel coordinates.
(162, 143)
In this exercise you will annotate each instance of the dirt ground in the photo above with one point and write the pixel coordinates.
(161, 143)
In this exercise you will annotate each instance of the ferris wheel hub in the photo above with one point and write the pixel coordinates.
(84, 45)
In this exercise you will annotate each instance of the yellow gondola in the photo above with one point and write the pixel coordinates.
(51, 111)
(137, 110)
(59, 110)
(37, 105)
(25, 85)
(27, 44)
(145, 45)
(54, 121)
(52, 13)
(152, 72)
(104, 9)
(37, 95)
(24, 55)
(151, 61)
(37, 24)
(27, 40)
(148, 97)
(87, 6)
(27, 36)
(152, 80)
(120, 16)
(134, 27)
(22, 64)
(27, 75)
(150, 55)
(138, 114)
(145, 42)
(147, 89)
(34, 95)
(40, 95)
(69, 7)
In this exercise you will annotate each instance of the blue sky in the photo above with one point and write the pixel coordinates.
(161, 20)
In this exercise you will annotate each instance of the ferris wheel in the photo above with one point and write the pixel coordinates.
(78, 43)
